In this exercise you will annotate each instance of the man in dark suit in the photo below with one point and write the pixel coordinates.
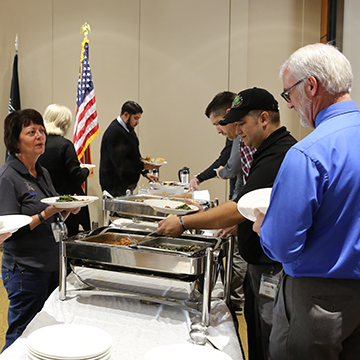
(120, 163)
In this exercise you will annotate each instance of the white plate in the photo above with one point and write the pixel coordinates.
(178, 188)
(36, 356)
(88, 165)
(69, 341)
(156, 163)
(168, 206)
(257, 199)
(12, 223)
(185, 351)
(83, 201)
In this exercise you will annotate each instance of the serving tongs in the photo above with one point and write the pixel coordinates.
(136, 243)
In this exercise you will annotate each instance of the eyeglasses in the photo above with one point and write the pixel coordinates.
(286, 93)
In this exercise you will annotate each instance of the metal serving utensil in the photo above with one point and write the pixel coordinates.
(199, 326)
(199, 338)
(148, 235)
(132, 239)
(136, 243)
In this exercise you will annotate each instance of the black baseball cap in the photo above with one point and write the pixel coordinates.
(247, 100)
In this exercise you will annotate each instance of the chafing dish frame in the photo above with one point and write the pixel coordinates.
(71, 248)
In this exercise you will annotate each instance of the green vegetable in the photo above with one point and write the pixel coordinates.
(66, 198)
(186, 248)
(183, 207)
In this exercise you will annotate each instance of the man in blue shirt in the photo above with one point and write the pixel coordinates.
(312, 225)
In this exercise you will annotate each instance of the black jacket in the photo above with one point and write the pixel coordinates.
(265, 166)
(61, 161)
(120, 164)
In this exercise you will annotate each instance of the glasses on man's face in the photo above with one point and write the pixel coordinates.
(286, 93)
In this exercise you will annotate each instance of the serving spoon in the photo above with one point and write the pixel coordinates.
(199, 338)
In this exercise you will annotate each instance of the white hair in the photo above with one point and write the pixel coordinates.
(57, 119)
(323, 61)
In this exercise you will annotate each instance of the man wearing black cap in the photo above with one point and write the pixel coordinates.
(257, 118)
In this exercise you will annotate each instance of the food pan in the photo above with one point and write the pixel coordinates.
(113, 238)
(185, 247)
(91, 248)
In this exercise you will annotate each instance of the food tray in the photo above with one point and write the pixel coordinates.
(111, 236)
(133, 206)
(175, 242)
(89, 248)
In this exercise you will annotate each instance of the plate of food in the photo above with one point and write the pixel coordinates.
(171, 206)
(90, 166)
(12, 223)
(257, 199)
(153, 161)
(69, 201)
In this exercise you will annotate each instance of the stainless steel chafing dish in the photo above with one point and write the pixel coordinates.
(145, 271)
(133, 205)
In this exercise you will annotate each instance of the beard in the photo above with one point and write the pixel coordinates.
(303, 109)
(302, 116)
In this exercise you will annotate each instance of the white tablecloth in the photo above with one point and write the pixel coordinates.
(135, 327)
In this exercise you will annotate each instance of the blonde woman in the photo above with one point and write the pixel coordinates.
(61, 161)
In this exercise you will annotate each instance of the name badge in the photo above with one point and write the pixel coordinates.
(268, 285)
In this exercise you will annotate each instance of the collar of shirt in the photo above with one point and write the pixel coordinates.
(16, 164)
(334, 109)
(121, 122)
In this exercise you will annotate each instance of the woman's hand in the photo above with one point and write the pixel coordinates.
(4, 236)
(73, 211)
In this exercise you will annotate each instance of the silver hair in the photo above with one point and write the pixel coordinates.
(57, 119)
(323, 61)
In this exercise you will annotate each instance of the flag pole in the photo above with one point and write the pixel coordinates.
(85, 29)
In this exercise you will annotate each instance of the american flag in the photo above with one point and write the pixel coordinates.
(86, 121)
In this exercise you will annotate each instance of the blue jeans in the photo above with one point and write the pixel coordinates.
(27, 292)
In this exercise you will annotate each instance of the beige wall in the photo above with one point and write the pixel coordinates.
(171, 56)
(351, 41)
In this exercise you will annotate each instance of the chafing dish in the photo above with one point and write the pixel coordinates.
(144, 271)
(133, 206)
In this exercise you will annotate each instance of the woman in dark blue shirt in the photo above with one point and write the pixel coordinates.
(30, 263)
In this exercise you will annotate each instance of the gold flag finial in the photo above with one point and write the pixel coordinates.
(85, 29)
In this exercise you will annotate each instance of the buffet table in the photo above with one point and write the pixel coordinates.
(135, 327)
